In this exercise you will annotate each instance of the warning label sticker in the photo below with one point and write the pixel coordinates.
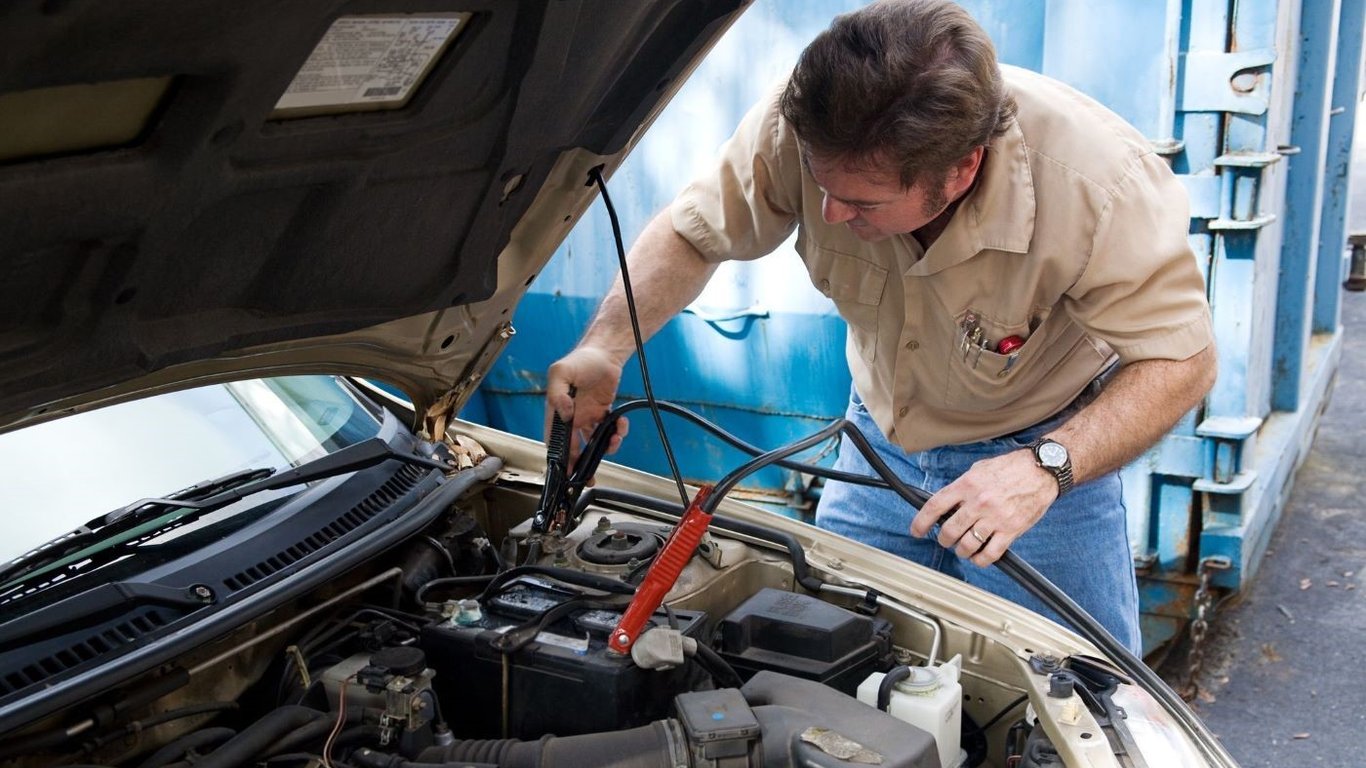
(368, 62)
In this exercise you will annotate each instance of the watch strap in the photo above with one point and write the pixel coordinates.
(1064, 477)
(1062, 474)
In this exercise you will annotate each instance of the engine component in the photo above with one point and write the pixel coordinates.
(460, 550)
(1039, 751)
(662, 648)
(929, 698)
(567, 663)
(775, 721)
(718, 724)
(806, 637)
(402, 675)
(620, 545)
(396, 683)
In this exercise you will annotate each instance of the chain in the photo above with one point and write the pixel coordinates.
(1199, 629)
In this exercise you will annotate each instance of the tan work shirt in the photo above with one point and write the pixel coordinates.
(1074, 240)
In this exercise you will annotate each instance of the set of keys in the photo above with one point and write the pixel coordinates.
(972, 340)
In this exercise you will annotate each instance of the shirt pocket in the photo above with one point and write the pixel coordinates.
(978, 376)
(855, 286)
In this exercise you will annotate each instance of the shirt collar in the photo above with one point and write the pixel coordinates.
(998, 213)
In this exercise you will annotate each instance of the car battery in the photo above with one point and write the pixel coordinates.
(804, 637)
(564, 682)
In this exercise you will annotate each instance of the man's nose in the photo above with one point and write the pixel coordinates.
(836, 212)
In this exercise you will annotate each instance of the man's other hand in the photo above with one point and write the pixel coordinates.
(992, 505)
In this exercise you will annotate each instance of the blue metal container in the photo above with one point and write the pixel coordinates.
(1253, 103)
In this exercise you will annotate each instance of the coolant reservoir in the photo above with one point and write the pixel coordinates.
(931, 699)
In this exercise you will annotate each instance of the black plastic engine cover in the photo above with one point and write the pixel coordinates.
(804, 637)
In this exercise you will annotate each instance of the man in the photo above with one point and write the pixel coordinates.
(996, 242)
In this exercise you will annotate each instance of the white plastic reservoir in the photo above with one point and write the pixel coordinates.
(931, 699)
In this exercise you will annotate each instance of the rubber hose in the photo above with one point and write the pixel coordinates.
(314, 734)
(260, 736)
(311, 734)
(137, 726)
(422, 565)
(884, 689)
(104, 715)
(192, 740)
(722, 673)
(567, 575)
(648, 746)
(357, 734)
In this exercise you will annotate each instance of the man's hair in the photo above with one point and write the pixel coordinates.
(905, 85)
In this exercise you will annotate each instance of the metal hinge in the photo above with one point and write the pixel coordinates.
(1218, 81)
(441, 412)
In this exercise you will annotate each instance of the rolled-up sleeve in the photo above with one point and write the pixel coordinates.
(746, 204)
(1142, 290)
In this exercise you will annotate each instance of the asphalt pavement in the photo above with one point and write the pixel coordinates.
(1284, 679)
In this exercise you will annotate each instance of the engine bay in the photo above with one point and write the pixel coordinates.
(481, 642)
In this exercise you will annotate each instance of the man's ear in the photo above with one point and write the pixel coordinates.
(964, 172)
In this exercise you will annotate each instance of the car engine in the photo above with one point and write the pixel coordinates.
(480, 642)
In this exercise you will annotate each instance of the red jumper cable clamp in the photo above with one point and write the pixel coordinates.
(663, 573)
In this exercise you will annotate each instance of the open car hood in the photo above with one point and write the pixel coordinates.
(197, 193)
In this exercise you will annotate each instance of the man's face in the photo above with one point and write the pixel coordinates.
(873, 204)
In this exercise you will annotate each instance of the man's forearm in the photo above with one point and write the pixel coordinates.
(1139, 405)
(667, 274)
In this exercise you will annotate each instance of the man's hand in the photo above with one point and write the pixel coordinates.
(594, 375)
(998, 499)
(1002, 497)
(667, 273)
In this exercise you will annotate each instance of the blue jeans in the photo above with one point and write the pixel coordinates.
(1081, 544)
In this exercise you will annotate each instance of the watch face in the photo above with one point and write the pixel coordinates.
(1052, 455)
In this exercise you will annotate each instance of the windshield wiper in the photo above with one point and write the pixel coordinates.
(194, 492)
(105, 526)
(124, 524)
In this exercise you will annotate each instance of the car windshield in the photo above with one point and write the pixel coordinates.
(61, 474)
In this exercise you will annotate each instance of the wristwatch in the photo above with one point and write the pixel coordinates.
(1052, 456)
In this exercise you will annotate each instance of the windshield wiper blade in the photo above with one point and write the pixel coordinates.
(193, 493)
(99, 528)
(104, 532)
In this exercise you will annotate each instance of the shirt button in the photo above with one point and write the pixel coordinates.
(903, 411)
(825, 286)
(913, 345)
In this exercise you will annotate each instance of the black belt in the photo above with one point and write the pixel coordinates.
(1091, 391)
(1088, 395)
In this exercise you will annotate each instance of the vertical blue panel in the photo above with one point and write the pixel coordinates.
(1304, 195)
(1173, 515)
(1232, 276)
(1135, 41)
(1338, 166)
(1204, 28)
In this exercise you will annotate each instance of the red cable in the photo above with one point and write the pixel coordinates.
(663, 573)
